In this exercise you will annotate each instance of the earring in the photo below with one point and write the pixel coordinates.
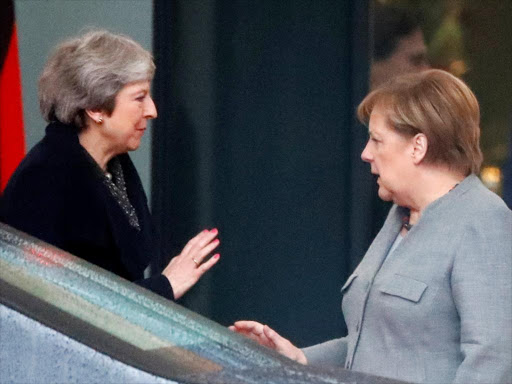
(100, 120)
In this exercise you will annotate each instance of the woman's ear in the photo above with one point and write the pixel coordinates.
(419, 148)
(96, 115)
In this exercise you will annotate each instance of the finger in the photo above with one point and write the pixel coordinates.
(209, 263)
(249, 329)
(204, 241)
(193, 241)
(207, 237)
(242, 331)
(283, 346)
(236, 330)
(273, 336)
(247, 333)
(200, 254)
(259, 338)
(249, 325)
(199, 241)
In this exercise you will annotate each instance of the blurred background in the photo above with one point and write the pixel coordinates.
(469, 38)
(257, 135)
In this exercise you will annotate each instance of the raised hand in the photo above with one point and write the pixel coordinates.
(186, 269)
(266, 336)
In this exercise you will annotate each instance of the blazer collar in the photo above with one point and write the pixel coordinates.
(380, 247)
(451, 197)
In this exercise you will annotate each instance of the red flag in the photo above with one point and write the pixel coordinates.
(12, 136)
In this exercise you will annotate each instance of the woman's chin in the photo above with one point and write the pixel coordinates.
(133, 146)
(385, 194)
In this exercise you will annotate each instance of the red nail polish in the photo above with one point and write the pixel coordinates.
(214, 230)
(216, 241)
(216, 256)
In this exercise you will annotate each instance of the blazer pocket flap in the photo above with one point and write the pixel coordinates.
(348, 282)
(405, 287)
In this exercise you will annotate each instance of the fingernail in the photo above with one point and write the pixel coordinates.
(216, 256)
(204, 231)
(214, 230)
(217, 241)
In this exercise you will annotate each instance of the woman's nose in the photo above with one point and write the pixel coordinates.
(366, 155)
(150, 112)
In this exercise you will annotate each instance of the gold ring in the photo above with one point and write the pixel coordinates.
(195, 261)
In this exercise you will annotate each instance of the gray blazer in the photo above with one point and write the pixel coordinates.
(439, 309)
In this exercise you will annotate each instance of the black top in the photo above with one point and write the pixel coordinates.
(59, 194)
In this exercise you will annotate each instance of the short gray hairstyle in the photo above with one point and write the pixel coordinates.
(87, 72)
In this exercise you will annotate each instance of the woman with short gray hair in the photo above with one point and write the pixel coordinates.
(77, 188)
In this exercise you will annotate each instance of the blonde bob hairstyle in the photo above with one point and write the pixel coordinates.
(87, 72)
(440, 106)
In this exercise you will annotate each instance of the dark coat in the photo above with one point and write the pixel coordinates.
(58, 195)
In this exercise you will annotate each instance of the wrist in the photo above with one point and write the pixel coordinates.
(175, 289)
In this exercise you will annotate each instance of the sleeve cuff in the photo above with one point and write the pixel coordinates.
(158, 284)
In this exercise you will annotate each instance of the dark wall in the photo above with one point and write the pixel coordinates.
(256, 135)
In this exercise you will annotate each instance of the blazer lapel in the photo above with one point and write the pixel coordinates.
(380, 247)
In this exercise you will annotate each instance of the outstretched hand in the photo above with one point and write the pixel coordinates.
(186, 269)
(266, 336)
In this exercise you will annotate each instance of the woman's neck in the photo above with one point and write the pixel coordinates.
(432, 184)
(96, 146)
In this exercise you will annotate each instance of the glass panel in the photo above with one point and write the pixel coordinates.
(135, 326)
(121, 309)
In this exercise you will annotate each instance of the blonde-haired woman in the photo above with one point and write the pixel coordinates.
(431, 301)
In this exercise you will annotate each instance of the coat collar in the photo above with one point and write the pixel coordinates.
(380, 247)
(67, 133)
(64, 139)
